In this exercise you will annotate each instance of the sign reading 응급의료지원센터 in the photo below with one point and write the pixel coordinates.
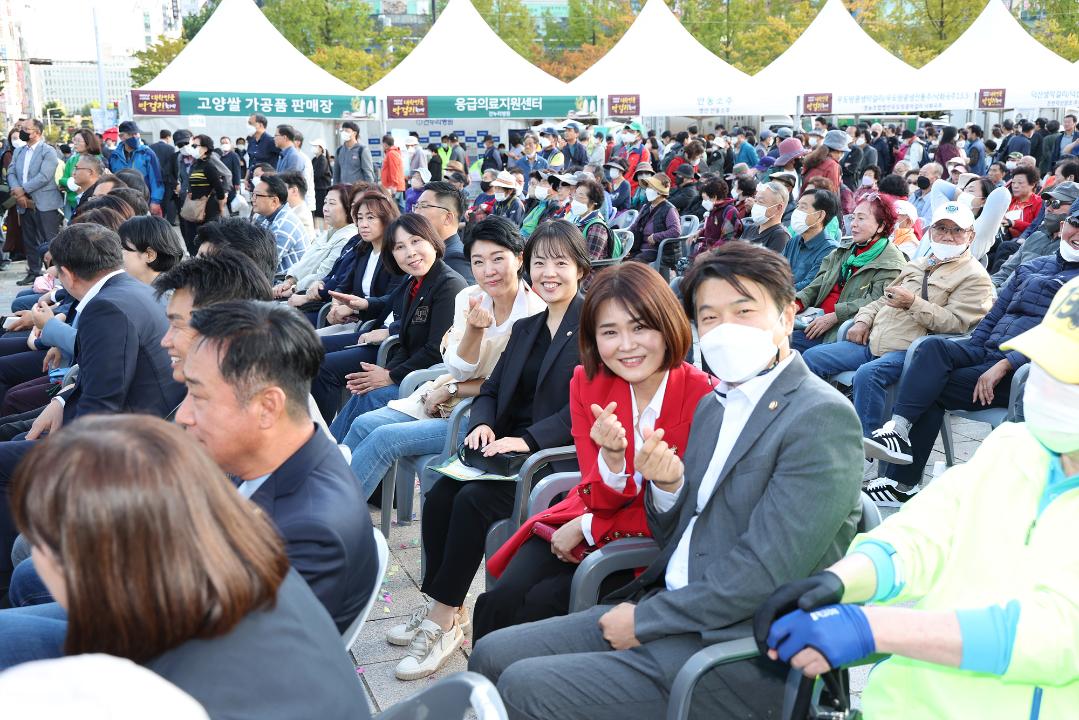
(406, 107)
(623, 105)
(991, 98)
(171, 102)
(817, 103)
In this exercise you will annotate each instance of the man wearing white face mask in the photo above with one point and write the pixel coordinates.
(986, 557)
(352, 162)
(767, 214)
(947, 291)
(758, 501)
(260, 144)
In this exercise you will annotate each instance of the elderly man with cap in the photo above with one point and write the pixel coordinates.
(686, 193)
(657, 221)
(947, 291)
(506, 203)
(1058, 202)
(574, 151)
(614, 172)
(983, 565)
(491, 158)
(633, 151)
(550, 150)
(530, 159)
(132, 153)
(416, 182)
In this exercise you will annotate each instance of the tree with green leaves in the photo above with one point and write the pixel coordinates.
(154, 59)
(512, 22)
(194, 22)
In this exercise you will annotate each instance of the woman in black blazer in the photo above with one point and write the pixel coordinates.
(423, 311)
(197, 579)
(522, 407)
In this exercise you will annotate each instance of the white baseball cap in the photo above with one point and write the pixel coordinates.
(955, 211)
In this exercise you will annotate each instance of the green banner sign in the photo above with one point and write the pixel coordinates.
(487, 106)
(170, 102)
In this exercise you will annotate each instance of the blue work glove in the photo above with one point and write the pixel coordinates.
(840, 633)
(823, 588)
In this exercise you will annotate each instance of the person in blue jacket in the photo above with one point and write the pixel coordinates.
(132, 153)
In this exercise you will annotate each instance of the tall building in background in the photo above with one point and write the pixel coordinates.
(74, 85)
(14, 102)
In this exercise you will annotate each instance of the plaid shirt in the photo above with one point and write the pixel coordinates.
(288, 233)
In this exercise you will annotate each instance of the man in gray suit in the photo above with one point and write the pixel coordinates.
(768, 493)
(32, 177)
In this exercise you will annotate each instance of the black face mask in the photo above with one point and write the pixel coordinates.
(485, 186)
(24, 136)
(1051, 224)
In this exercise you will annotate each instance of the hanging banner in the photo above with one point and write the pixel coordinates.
(991, 99)
(623, 105)
(406, 107)
(171, 102)
(817, 103)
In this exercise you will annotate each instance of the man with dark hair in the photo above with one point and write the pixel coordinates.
(261, 146)
(810, 244)
(444, 206)
(297, 189)
(167, 160)
(248, 373)
(352, 162)
(976, 152)
(289, 158)
(133, 198)
(392, 179)
(758, 501)
(32, 178)
(254, 241)
(271, 211)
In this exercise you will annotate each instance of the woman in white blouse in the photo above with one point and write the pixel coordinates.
(484, 315)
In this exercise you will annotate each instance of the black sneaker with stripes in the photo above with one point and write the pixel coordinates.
(888, 445)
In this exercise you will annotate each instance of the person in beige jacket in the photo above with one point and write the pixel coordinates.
(947, 291)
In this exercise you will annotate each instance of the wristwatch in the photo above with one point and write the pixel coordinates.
(451, 388)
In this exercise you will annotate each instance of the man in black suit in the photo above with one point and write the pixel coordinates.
(248, 373)
(444, 206)
(122, 366)
(166, 158)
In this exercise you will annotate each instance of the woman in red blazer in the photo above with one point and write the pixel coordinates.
(632, 380)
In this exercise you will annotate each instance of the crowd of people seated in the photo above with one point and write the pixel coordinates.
(194, 422)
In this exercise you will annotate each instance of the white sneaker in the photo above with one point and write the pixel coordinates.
(888, 445)
(403, 634)
(885, 492)
(430, 648)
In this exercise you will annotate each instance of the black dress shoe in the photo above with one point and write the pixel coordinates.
(28, 280)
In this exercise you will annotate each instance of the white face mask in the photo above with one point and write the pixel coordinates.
(544, 142)
(578, 208)
(1069, 253)
(629, 139)
(813, 142)
(707, 205)
(911, 188)
(542, 192)
(18, 142)
(868, 181)
(736, 353)
(799, 222)
(615, 174)
(943, 251)
(226, 147)
(1011, 164)
(1051, 408)
(345, 135)
(251, 129)
(651, 194)
(500, 197)
(960, 144)
(759, 213)
(190, 150)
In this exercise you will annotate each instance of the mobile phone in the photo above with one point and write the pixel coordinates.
(346, 347)
(10, 321)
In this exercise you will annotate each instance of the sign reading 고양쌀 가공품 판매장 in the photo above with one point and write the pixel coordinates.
(172, 102)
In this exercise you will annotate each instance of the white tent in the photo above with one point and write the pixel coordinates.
(836, 67)
(441, 76)
(1031, 75)
(711, 87)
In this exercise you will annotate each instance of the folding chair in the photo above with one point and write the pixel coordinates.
(451, 697)
(627, 245)
(624, 219)
(353, 632)
(994, 416)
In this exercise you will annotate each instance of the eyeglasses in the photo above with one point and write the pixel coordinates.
(262, 195)
(941, 231)
(425, 206)
(1054, 204)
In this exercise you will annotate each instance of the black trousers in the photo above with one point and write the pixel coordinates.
(39, 227)
(534, 586)
(942, 376)
(456, 518)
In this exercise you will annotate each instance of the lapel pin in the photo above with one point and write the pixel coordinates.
(773, 405)
(569, 333)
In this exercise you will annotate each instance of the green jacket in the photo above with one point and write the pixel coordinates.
(864, 286)
(987, 533)
(69, 169)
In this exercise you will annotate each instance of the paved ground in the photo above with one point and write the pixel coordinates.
(400, 592)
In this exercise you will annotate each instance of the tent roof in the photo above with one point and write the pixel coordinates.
(437, 66)
(819, 61)
(663, 92)
(1034, 82)
(210, 61)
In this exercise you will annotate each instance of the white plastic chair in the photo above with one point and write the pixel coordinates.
(353, 632)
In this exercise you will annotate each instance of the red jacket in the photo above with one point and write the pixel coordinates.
(393, 170)
(614, 515)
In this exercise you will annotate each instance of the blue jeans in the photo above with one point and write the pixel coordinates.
(32, 633)
(358, 405)
(873, 376)
(26, 586)
(801, 343)
(380, 437)
(25, 300)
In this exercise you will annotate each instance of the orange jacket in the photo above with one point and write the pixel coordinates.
(393, 170)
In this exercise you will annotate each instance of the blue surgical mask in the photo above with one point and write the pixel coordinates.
(132, 142)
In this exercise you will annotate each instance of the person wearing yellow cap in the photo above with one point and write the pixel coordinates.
(986, 556)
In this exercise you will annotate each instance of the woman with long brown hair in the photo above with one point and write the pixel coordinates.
(152, 556)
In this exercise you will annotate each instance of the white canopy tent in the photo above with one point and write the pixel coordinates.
(712, 88)
(437, 67)
(1030, 74)
(836, 68)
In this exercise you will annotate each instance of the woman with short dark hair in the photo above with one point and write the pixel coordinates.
(153, 556)
(150, 247)
(633, 380)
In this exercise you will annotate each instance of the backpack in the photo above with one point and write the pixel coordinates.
(614, 243)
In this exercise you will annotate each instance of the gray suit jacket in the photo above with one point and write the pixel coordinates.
(786, 505)
(40, 180)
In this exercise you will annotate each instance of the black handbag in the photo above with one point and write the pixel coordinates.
(504, 464)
